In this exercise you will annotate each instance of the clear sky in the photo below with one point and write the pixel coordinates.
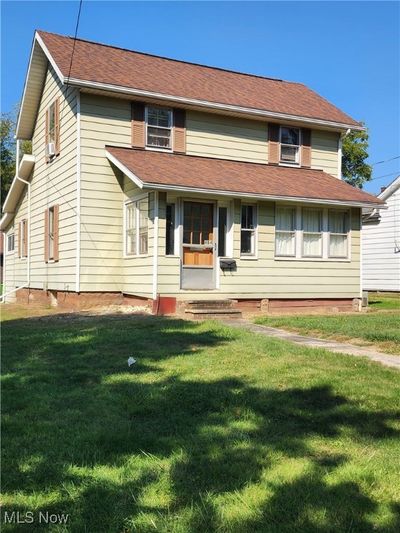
(346, 51)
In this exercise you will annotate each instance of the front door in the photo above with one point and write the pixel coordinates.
(198, 245)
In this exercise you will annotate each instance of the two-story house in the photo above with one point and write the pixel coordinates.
(160, 182)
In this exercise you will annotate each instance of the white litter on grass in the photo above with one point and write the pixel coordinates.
(131, 361)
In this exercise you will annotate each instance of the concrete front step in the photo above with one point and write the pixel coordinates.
(205, 313)
(209, 304)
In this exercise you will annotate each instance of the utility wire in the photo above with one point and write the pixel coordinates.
(386, 175)
(385, 161)
(75, 36)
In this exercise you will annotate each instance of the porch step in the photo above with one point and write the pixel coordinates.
(212, 313)
(209, 304)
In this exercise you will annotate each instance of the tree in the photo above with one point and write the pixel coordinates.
(7, 154)
(354, 153)
(7, 151)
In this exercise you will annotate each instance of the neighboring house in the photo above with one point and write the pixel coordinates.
(167, 181)
(381, 243)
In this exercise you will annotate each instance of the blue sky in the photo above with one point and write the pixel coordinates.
(346, 51)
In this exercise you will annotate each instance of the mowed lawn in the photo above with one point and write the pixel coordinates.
(379, 327)
(213, 429)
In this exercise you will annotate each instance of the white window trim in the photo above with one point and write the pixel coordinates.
(251, 256)
(325, 238)
(134, 199)
(287, 163)
(10, 252)
(158, 148)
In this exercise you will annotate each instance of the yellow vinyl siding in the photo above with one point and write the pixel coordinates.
(51, 183)
(324, 151)
(211, 135)
(103, 121)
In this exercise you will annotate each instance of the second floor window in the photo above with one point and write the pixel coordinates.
(290, 146)
(53, 129)
(10, 242)
(159, 127)
(136, 227)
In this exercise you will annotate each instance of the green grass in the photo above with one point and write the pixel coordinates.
(381, 330)
(213, 429)
(377, 301)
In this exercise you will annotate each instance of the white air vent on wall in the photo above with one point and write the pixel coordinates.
(50, 150)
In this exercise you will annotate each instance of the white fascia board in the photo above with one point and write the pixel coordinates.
(24, 170)
(50, 58)
(37, 41)
(211, 105)
(392, 188)
(137, 181)
(5, 220)
(179, 188)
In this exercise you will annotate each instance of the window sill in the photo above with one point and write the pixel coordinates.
(291, 165)
(154, 149)
(248, 258)
(135, 256)
(314, 259)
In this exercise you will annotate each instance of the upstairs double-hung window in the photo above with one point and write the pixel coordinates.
(159, 127)
(290, 146)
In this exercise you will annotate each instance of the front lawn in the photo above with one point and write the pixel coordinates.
(213, 429)
(381, 330)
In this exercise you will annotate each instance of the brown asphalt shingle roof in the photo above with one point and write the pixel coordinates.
(107, 64)
(167, 169)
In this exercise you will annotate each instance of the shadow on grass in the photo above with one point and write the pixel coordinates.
(120, 448)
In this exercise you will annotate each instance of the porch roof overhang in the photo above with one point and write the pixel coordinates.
(17, 186)
(193, 174)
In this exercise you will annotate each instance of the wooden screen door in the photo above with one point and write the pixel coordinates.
(198, 234)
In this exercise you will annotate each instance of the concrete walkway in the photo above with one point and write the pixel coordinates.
(312, 342)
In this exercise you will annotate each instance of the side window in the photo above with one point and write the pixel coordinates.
(222, 230)
(10, 242)
(285, 232)
(248, 231)
(338, 227)
(23, 238)
(51, 233)
(170, 230)
(312, 233)
(136, 227)
(52, 130)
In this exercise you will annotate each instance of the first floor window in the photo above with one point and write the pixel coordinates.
(136, 220)
(285, 236)
(290, 145)
(312, 233)
(10, 242)
(51, 232)
(248, 232)
(338, 230)
(222, 230)
(170, 230)
(23, 236)
(309, 232)
(159, 127)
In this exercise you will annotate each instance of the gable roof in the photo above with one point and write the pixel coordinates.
(115, 69)
(151, 169)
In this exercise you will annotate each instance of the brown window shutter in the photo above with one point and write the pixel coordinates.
(46, 131)
(19, 239)
(57, 125)
(46, 235)
(273, 144)
(306, 147)
(179, 135)
(25, 230)
(56, 233)
(138, 125)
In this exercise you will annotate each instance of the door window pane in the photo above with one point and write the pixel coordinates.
(222, 231)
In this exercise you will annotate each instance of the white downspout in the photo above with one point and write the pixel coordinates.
(78, 193)
(155, 245)
(28, 259)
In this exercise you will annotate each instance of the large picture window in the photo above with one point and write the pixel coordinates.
(308, 232)
(248, 231)
(290, 145)
(159, 127)
(136, 227)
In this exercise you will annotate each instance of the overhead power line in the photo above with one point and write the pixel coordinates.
(386, 175)
(385, 160)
